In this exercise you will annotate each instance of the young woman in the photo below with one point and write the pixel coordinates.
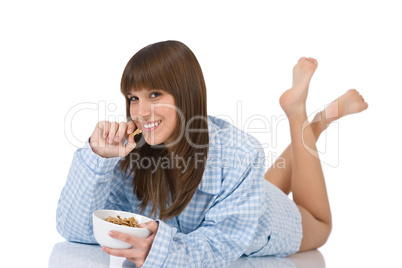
(199, 177)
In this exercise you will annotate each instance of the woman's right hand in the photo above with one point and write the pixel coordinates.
(108, 139)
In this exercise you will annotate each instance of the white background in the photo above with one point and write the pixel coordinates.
(57, 55)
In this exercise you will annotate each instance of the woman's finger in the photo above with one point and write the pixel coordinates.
(104, 128)
(112, 133)
(130, 127)
(121, 131)
(126, 253)
(130, 145)
(132, 240)
(150, 225)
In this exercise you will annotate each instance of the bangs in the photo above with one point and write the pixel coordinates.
(146, 70)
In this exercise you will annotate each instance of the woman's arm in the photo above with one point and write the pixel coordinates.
(93, 183)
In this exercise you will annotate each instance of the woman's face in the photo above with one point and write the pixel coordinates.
(154, 112)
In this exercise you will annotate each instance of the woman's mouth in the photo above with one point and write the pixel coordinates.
(151, 126)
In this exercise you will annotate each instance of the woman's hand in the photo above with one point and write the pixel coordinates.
(140, 246)
(108, 139)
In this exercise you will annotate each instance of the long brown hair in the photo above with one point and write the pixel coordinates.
(172, 67)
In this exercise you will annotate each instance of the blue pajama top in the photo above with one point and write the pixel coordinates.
(234, 212)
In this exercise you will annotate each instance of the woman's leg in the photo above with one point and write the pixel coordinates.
(307, 179)
(351, 102)
(280, 173)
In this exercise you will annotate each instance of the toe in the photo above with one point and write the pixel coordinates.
(314, 61)
(353, 91)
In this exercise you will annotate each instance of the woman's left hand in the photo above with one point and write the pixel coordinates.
(140, 246)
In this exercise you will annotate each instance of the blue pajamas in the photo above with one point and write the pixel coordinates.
(234, 211)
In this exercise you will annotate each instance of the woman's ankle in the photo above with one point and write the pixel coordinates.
(319, 124)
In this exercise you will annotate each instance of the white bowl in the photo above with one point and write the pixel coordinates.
(102, 228)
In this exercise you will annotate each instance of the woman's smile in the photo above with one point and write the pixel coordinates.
(151, 126)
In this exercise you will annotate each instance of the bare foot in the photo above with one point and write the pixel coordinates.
(349, 103)
(293, 100)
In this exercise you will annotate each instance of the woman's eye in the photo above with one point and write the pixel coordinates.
(133, 98)
(155, 94)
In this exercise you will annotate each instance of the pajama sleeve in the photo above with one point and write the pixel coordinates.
(93, 183)
(225, 233)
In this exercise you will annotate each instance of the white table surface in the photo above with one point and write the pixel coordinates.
(70, 255)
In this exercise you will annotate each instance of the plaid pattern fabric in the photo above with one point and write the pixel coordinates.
(234, 211)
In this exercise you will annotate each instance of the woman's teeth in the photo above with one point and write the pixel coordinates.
(152, 125)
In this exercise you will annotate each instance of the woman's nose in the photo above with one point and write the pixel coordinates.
(144, 108)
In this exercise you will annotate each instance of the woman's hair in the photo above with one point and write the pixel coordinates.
(160, 175)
